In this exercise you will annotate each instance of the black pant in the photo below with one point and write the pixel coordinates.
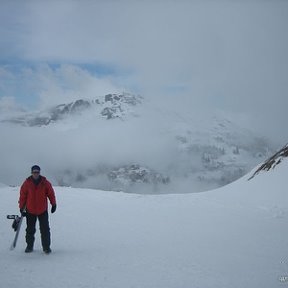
(44, 229)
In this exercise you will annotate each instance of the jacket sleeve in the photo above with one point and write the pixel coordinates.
(50, 193)
(23, 196)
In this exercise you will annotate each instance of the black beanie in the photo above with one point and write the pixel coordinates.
(35, 168)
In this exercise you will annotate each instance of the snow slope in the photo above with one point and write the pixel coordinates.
(235, 236)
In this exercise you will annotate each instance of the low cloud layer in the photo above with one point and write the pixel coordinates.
(190, 153)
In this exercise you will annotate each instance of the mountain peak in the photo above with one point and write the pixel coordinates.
(110, 106)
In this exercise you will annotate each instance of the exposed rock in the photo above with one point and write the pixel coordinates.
(273, 161)
(137, 174)
(110, 106)
(110, 112)
(118, 104)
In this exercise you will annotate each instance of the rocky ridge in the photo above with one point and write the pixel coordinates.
(273, 161)
(110, 106)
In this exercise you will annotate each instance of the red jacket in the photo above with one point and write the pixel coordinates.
(34, 197)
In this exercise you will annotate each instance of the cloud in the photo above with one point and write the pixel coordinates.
(81, 144)
(230, 55)
(69, 83)
(47, 85)
(8, 105)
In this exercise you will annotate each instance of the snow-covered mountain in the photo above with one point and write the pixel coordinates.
(109, 106)
(235, 236)
(123, 142)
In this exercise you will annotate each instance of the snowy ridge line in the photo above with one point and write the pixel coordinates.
(273, 161)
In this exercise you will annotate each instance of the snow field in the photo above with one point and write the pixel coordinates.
(235, 236)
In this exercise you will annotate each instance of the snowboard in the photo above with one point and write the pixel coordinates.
(16, 226)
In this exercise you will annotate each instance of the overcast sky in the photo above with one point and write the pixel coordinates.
(231, 55)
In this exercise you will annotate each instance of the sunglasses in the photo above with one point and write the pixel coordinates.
(35, 172)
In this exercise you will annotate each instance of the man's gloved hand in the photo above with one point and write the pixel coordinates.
(53, 208)
(23, 212)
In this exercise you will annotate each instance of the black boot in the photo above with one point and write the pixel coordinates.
(29, 249)
(47, 250)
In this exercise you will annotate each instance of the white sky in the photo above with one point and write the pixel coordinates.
(231, 55)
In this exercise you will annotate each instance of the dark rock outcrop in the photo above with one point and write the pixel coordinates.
(273, 161)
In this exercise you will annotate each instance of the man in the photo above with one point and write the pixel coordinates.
(33, 203)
